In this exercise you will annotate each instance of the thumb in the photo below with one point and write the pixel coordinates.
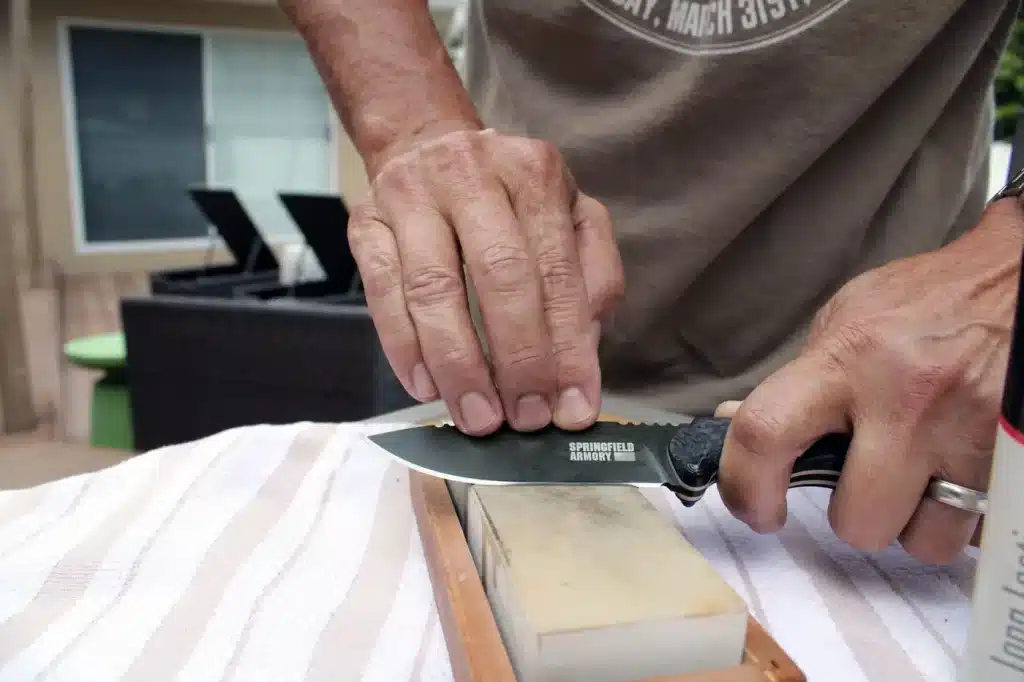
(774, 425)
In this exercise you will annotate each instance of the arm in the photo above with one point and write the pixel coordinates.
(386, 70)
(451, 203)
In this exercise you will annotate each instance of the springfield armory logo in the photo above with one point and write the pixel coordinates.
(582, 451)
(703, 27)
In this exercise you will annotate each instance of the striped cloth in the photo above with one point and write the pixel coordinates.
(290, 553)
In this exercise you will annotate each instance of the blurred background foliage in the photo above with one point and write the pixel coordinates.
(1009, 85)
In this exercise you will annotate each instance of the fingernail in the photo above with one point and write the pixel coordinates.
(422, 383)
(477, 413)
(572, 408)
(727, 408)
(532, 412)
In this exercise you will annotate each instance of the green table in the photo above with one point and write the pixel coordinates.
(111, 413)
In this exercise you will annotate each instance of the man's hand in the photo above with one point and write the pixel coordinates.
(910, 358)
(448, 196)
(542, 259)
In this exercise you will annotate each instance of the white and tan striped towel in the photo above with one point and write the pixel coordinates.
(290, 553)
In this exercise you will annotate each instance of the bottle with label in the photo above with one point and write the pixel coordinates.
(995, 646)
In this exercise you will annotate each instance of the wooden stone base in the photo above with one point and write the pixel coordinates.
(474, 641)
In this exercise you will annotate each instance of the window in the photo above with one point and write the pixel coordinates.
(152, 112)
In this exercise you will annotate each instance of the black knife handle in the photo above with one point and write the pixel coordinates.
(696, 452)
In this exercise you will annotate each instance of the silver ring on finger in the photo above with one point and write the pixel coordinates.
(958, 496)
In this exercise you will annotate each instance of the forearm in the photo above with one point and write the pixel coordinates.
(386, 70)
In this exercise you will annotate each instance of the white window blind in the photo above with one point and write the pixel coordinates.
(269, 125)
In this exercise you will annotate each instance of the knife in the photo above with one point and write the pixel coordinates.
(684, 458)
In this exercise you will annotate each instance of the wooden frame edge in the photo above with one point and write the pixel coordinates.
(474, 643)
(763, 652)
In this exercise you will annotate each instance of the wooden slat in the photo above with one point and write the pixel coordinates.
(39, 309)
(27, 461)
(22, 109)
(17, 413)
(740, 673)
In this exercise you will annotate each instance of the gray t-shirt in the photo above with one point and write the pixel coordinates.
(754, 154)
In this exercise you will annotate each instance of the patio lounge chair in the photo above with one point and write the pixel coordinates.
(197, 366)
(254, 264)
(322, 219)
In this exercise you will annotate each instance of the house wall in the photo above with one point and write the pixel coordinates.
(53, 171)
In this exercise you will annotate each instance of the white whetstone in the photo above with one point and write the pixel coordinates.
(594, 583)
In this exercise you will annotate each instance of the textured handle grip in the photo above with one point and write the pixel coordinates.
(696, 452)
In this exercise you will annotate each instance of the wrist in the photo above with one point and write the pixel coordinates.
(991, 254)
(384, 139)
(406, 96)
(387, 72)
(997, 236)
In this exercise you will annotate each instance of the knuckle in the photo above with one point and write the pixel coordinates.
(360, 235)
(593, 211)
(363, 214)
(851, 340)
(431, 286)
(616, 286)
(379, 266)
(920, 375)
(451, 360)
(400, 176)
(574, 367)
(558, 271)
(923, 381)
(507, 268)
(397, 337)
(606, 295)
(465, 140)
(522, 359)
(564, 323)
(756, 430)
(459, 150)
(823, 318)
(539, 157)
(735, 500)
(742, 502)
(601, 213)
(381, 274)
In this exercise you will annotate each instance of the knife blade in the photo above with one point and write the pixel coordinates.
(684, 458)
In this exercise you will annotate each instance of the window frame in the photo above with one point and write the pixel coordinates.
(70, 120)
